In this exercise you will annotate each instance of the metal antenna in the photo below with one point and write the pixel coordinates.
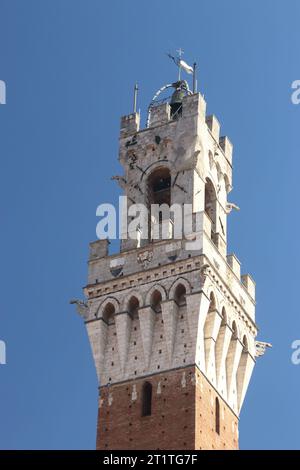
(135, 94)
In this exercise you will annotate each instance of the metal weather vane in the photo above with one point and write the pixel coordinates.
(181, 64)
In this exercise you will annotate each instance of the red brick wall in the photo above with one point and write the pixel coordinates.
(181, 418)
(205, 417)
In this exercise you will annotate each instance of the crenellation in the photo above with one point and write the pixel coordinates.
(98, 249)
(235, 265)
(249, 284)
(130, 124)
(160, 114)
(227, 147)
(214, 126)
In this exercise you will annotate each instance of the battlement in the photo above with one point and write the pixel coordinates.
(121, 268)
(160, 114)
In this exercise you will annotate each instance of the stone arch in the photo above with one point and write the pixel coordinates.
(180, 295)
(224, 315)
(245, 344)
(181, 281)
(157, 189)
(219, 171)
(108, 314)
(154, 288)
(210, 204)
(227, 184)
(235, 331)
(133, 307)
(134, 293)
(154, 166)
(103, 304)
(212, 302)
(156, 300)
(210, 159)
(159, 186)
(211, 291)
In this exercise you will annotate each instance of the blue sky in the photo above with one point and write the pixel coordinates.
(69, 67)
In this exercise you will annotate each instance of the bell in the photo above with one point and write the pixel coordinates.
(177, 96)
(176, 102)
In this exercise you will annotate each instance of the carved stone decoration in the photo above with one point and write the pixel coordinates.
(173, 251)
(145, 258)
(122, 182)
(203, 274)
(81, 307)
(132, 141)
(116, 266)
(261, 348)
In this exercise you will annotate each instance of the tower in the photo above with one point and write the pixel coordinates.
(170, 319)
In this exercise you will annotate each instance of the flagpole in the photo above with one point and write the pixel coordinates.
(180, 52)
(194, 78)
(135, 97)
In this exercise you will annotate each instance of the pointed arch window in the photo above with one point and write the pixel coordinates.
(109, 314)
(159, 187)
(155, 301)
(180, 295)
(211, 205)
(147, 399)
(217, 410)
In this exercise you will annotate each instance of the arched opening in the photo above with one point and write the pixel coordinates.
(211, 205)
(245, 344)
(147, 399)
(227, 184)
(212, 303)
(159, 186)
(224, 317)
(217, 415)
(234, 331)
(111, 359)
(159, 202)
(133, 307)
(155, 301)
(109, 314)
(180, 295)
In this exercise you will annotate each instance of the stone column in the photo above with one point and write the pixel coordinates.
(123, 329)
(232, 363)
(147, 321)
(197, 308)
(170, 318)
(222, 345)
(211, 329)
(97, 332)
